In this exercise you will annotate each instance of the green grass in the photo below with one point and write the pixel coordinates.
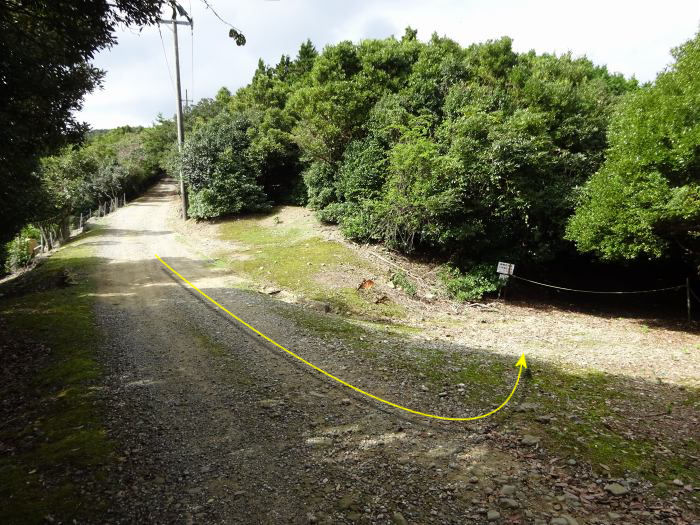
(286, 256)
(64, 427)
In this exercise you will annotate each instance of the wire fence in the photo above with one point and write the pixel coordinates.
(690, 293)
(601, 292)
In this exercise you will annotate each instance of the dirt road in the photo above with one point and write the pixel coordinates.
(218, 427)
(213, 426)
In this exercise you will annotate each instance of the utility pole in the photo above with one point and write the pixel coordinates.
(180, 124)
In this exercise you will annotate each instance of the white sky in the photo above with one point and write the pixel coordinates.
(633, 37)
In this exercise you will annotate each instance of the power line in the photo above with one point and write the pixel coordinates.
(234, 32)
(167, 64)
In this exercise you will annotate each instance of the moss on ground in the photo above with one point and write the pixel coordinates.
(61, 432)
(265, 258)
(589, 410)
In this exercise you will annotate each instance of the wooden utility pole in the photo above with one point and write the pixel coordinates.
(178, 92)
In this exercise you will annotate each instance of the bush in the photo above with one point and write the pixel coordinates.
(471, 285)
(333, 213)
(16, 252)
(362, 222)
(219, 171)
(401, 281)
(320, 183)
(363, 171)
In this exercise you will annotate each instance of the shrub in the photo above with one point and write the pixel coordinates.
(363, 171)
(17, 254)
(320, 183)
(333, 213)
(400, 279)
(217, 166)
(471, 285)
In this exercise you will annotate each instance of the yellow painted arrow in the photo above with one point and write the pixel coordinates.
(521, 363)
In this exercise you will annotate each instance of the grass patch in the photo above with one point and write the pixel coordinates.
(59, 430)
(285, 256)
(207, 343)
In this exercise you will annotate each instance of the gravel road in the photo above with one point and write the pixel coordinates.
(213, 426)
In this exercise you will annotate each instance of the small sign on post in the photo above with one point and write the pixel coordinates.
(505, 268)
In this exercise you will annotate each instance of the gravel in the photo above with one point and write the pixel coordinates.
(212, 425)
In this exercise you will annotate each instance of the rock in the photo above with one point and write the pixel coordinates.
(526, 407)
(544, 419)
(429, 296)
(319, 442)
(269, 290)
(424, 388)
(493, 515)
(614, 516)
(678, 482)
(508, 490)
(442, 394)
(473, 480)
(509, 503)
(398, 519)
(616, 489)
(319, 306)
(559, 521)
(571, 462)
(529, 440)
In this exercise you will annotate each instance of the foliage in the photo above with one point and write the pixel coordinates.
(219, 170)
(469, 152)
(471, 285)
(107, 166)
(47, 46)
(400, 279)
(16, 252)
(645, 200)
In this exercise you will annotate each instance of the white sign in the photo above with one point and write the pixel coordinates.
(505, 268)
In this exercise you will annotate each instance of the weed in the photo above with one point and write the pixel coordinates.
(400, 279)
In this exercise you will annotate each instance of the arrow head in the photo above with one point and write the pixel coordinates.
(521, 361)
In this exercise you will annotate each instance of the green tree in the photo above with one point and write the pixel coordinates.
(645, 200)
(219, 170)
(47, 46)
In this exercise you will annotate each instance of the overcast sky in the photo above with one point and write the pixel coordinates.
(632, 37)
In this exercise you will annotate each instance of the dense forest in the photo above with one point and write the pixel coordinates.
(469, 154)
